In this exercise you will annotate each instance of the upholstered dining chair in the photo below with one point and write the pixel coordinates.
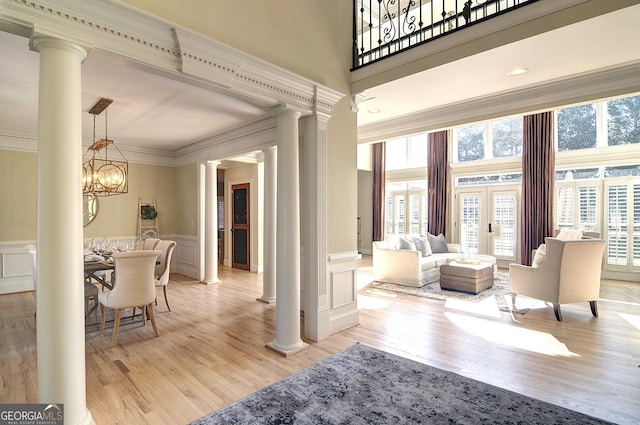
(150, 243)
(569, 273)
(31, 249)
(134, 288)
(164, 268)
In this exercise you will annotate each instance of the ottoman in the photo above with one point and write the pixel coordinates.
(471, 277)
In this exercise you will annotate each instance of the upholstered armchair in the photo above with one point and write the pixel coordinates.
(570, 273)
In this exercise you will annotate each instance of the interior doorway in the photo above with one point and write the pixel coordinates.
(240, 226)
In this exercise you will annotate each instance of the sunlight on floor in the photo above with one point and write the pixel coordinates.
(510, 336)
(632, 319)
(364, 279)
(487, 307)
(373, 303)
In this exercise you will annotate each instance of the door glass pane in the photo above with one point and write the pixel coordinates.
(617, 225)
(240, 206)
(414, 206)
(588, 217)
(399, 214)
(636, 225)
(388, 215)
(504, 214)
(469, 223)
(565, 207)
(240, 254)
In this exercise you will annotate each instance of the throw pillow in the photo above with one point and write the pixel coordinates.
(438, 243)
(422, 245)
(569, 235)
(407, 243)
(541, 253)
(393, 242)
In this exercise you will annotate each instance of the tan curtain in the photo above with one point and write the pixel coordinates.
(538, 168)
(437, 182)
(378, 163)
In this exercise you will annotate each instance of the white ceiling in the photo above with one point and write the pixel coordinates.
(151, 111)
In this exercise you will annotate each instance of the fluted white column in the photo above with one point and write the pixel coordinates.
(211, 223)
(60, 293)
(288, 339)
(270, 223)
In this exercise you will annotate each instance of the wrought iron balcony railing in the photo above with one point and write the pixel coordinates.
(385, 27)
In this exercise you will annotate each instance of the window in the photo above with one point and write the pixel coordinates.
(406, 152)
(577, 128)
(611, 123)
(623, 125)
(406, 207)
(500, 138)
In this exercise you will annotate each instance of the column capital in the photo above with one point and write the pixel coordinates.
(271, 148)
(40, 42)
(212, 163)
(285, 110)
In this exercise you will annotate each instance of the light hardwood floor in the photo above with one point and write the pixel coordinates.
(211, 350)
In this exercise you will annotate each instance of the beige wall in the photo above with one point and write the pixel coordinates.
(310, 38)
(117, 215)
(18, 195)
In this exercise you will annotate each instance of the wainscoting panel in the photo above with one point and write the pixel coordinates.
(185, 258)
(15, 268)
(342, 283)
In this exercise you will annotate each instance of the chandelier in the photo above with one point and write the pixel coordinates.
(104, 167)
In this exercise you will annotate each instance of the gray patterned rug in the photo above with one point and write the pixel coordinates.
(363, 385)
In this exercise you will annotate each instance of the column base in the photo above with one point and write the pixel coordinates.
(287, 351)
(87, 420)
(265, 300)
(209, 282)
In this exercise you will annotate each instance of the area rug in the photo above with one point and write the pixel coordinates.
(363, 385)
(499, 289)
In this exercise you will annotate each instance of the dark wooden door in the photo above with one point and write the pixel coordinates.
(240, 227)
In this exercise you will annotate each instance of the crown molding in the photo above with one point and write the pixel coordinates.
(586, 87)
(142, 39)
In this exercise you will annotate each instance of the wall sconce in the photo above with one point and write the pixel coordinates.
(104, 167)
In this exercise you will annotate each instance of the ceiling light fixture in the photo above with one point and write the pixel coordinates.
(374, 110)
(104, 167)
(517, 71)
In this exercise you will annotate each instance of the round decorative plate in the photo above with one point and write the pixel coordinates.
(149, 234)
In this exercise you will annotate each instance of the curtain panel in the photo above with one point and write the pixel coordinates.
(379, 170)
(538, 169)
(437, 182)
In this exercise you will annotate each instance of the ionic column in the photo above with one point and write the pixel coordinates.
(288, 339)
(60, 293)
(270, 215)
(211, 223)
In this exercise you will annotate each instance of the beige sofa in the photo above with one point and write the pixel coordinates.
(413, 265)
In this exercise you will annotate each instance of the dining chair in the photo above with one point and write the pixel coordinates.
(31, 249)
(135, 287)
(164, 268)
(150, 243)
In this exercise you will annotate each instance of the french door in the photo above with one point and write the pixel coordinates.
(487, 221)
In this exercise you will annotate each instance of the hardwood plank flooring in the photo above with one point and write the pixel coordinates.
(211, 350)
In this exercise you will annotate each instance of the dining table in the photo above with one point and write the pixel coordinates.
(92, 269)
